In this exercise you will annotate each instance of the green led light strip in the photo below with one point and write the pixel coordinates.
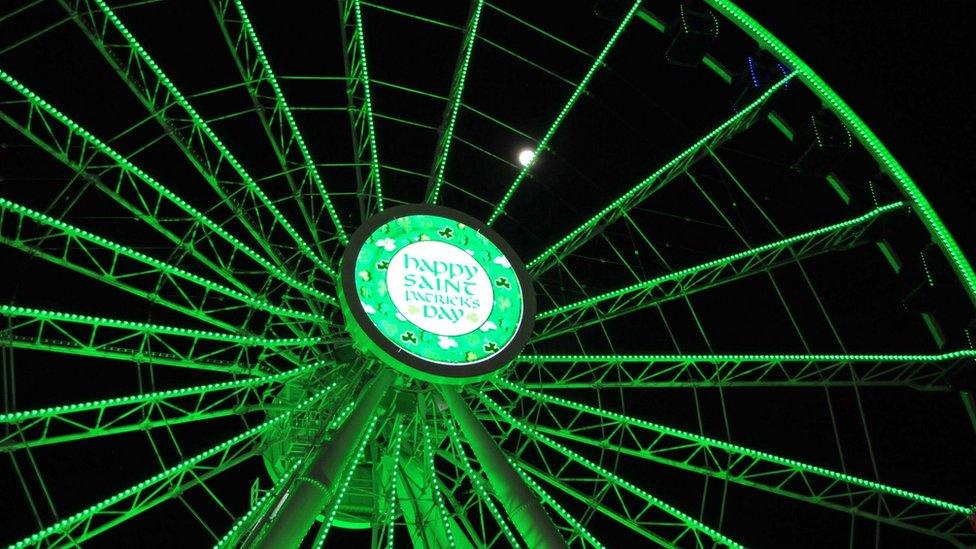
(392, 501)
(538, 359)
(530, 432)
(158, 395)
(435, 489)
(863, 133)
(729, 447)
(40, 314)
(646, 184)
(479, 484)
(455, 102)
(85, 516)
(127, 166)
(202, 125)
(374, 159)
(551, 502)
(544, 142)
(337, 496)
(74, 232)
(310, 167)
(258, 509)
(717, 262)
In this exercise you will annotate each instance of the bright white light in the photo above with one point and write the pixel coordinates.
(526, 156)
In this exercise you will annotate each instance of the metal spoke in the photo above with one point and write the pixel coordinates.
(136, 191)
(277, 118)
(650, 516)
(161, 487)
(446, 132)
(775, 474)
(360, 101)
(124, 267)
(927, 372)
(654, 182)
(201, 146)
(649, 293)
(543, 143)
(87, 420)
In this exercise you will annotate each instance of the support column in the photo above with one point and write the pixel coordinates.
(519, 502)
(293, 515)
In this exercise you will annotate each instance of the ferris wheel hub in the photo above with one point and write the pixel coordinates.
(435, 294)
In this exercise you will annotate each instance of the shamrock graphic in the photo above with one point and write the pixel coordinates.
(408, 337)
(446, 232)
(387, 244)
(382, 264)
(491, 347)
(503, 282)
(470, 356)
(503, 261)
(445, 342)
(365, 276)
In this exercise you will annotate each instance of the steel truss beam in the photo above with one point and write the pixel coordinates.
(328, 473)
(139, 193)
(543, 143)
(79, 250)
(785, 477)
(360, 102)
(95, 336)
(162, 486)
(87, 420)
(926, 372)
(191, 133)
(619, 499)
(523, 508)
(654, 182)
(278, 119)
(649, 293)
(445, 134)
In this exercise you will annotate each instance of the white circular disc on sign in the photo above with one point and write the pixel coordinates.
(439, 288)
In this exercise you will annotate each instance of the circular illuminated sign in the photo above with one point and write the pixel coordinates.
(435, 293)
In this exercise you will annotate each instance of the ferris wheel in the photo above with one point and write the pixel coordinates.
(464, 276)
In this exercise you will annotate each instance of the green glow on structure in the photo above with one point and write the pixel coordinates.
(614, 479)
(128, 167)
(717, 262)
(374, 159)
(84, 519)
(864, 135)
(80, 234)
(544, 142)
(310, 167)
(658, 178)
(440, 163)
(200, 123)
(479, 485)
(735, 448)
